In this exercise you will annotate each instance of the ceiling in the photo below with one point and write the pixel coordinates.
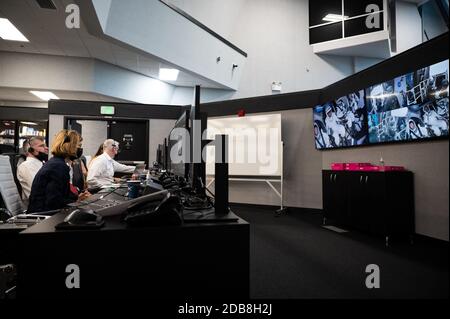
(47, 33)
(13, 94)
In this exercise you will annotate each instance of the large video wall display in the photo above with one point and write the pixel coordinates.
(410, 107)
(341, 123)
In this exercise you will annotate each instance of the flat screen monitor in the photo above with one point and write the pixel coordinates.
(413, 106)
(179, 146)
(159, 154)
(197, 168)
(342, 122)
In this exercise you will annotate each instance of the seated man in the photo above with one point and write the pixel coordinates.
(101, 171)
(37, 153)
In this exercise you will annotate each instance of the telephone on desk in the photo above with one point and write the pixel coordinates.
(157, 212)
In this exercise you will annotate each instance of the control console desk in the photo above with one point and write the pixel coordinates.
(194, 260)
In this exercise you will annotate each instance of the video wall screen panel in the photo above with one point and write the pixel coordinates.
(413, 106)
(342, 122)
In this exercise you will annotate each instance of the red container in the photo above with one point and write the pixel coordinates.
(356, 166)
(338, 166)
(371, 168)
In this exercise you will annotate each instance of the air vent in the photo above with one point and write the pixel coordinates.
(46, 4)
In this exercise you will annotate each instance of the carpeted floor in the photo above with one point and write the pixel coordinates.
(293, 257)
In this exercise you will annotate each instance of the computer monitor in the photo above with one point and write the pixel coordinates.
(164, 155)
(179, 149)
(198, 126)
(159, 152)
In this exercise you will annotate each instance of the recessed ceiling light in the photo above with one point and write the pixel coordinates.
(331, 17)
(29, 123)
(9, 32)
(46, 96)
(168, 74)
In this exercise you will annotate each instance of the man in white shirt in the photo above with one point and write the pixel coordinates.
(37, 154)
(102, 169)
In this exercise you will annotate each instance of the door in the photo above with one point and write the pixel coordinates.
(133, 137)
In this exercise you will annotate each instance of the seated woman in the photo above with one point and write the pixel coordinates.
(51, 189)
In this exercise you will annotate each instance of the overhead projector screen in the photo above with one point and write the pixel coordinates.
(254, 144)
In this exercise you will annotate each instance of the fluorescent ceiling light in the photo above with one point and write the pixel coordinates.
(46, 96)
(29, 123)
(9, 32)
(331, 17)
(168, 74)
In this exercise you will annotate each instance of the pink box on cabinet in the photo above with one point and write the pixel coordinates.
(356, 166)
(371, 168)
(338, 166)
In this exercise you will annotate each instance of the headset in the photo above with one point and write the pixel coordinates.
(66, 137)
(30, 148)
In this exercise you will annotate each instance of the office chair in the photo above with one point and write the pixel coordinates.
(14, 159)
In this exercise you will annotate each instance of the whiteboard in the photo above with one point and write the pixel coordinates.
(255, 144)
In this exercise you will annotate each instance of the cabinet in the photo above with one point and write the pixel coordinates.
(380, 203)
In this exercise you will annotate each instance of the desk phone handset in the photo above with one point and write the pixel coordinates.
(158, 212)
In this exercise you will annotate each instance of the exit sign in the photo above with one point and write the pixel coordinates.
(107, 110)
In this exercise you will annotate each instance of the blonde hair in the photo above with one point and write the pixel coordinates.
(65, 144)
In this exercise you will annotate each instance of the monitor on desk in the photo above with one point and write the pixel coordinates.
(179, 148)
(198, 126)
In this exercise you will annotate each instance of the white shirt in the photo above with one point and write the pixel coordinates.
(102, 169)
(26, 173)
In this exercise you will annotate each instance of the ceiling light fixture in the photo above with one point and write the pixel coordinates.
(29, 123)
(45, 96)
(168, 74)
(331, 17)
(9, 32)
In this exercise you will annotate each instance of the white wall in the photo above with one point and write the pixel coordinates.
(42, 105)
(360, 63)
(275, 35)
(152, 27)
(94, 133)
(35, 71)
(185, 95)
(433, 23)
(159, 130)
(55, 124)
(69, 74)
(124, 84)
(409, 26)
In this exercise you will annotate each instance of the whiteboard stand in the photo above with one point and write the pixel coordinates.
(268, 181)
(282, 210)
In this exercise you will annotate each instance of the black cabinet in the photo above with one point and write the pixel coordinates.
(335, 197)
(380, 203)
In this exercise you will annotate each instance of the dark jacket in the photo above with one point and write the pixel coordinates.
(78, 178)
(51, 188)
